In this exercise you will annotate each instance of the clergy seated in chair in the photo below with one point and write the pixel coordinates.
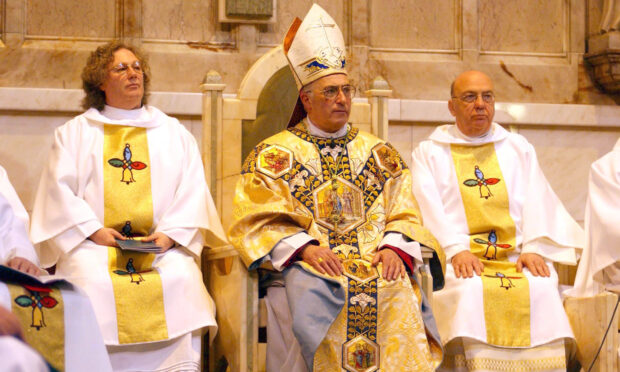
(53, 319)
(599, 268)
(483, 195)
(329, 208)
(125, 173)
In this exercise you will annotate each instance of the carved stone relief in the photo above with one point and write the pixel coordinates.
(603, 58)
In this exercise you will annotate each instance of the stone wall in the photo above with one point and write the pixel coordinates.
(532, 49)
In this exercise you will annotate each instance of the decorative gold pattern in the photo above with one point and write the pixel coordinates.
(387, 158)
(360, 355)
(359, 270)
(274, 161)
(337, 200)
(338, 205)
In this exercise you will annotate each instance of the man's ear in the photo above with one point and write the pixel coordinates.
(305, 100)
(451, 107)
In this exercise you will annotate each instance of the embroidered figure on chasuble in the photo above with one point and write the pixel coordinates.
(501, 231)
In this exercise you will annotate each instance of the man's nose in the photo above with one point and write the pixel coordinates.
(479, 102)
(131, 72)
(340, 96)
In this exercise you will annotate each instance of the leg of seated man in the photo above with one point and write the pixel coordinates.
(459, 308)
(179, 354)
(283, 351)
(466, 354)
(186, 302)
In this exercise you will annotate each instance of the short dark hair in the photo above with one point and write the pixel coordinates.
(96, 69)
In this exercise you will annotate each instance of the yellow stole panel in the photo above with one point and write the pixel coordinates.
(41, 312)
(128, 208)
(492, 237)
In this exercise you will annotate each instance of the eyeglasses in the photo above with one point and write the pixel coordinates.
(470, 97)
(331, 91)
(122, 68)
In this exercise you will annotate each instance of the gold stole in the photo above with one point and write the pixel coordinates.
(493, 236)
(128, 208)
(41, 312)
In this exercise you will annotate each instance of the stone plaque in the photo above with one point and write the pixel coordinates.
(249, 8)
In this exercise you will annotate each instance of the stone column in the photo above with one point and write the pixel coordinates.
(129, 21)
(378, 99)
(14, 22)
(212, 129)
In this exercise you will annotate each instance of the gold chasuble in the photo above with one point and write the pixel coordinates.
(346, 192)
(492, 237)
(41, 313)
(128, 208)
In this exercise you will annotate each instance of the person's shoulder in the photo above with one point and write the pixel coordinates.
(608, 165)
(368, 137)
(519, 142)
(77, 123)
(166, 121)
(281, 138)
(158, 114)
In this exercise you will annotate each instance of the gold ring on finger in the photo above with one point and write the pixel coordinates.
(320, 259)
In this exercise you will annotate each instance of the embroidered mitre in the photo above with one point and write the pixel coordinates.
(314, 47)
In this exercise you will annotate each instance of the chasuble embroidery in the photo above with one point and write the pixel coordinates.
(344, 190)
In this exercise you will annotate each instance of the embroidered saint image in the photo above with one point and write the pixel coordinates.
(482, 183)
(38, 299)
(274, 161)
(360, 355)
(135, 276)
(504, 281)
(127, 164)
(387, 159)
(339, 205)
(492, 242)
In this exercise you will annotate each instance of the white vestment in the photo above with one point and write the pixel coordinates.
(16, 356)
(84, 346)
(543, 226)
(599, 267)
(69, 207)
(15, 236)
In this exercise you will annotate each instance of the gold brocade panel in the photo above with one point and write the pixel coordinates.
(127, 180)
(485, 198)
(492, 237)
(128, 208)
(345, 192)
(400, 334)
(138, 296)
(40, 310)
